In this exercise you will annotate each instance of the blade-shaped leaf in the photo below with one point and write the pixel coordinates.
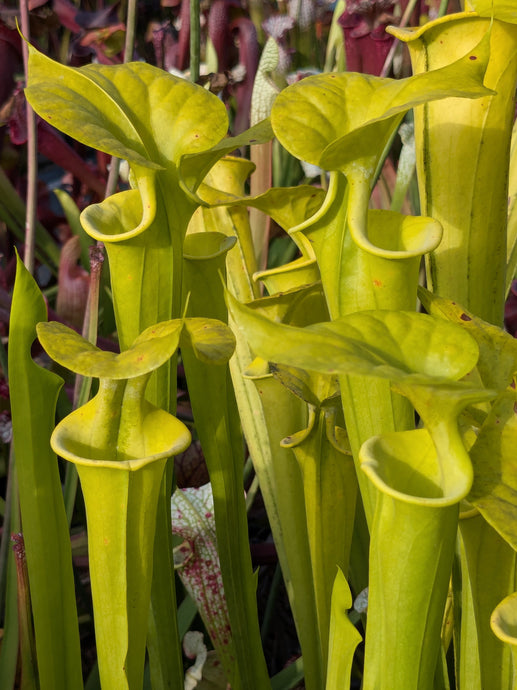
(33, 394)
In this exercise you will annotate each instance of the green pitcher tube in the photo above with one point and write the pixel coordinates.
(284, 500)
(463, 149)
(488, 567)
(330, 490)
(120, 497)
(411, 572)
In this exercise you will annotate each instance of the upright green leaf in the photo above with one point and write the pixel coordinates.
(34, 392)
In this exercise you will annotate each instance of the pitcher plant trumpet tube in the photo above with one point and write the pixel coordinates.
(463, 150)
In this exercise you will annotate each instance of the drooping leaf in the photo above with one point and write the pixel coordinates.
(212, 341)
(288, 206)
(393, 345)
(494, 492)
(315, 389)
(497, 349)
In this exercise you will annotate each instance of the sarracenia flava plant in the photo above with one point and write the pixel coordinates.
(119, 443)
(331, 368)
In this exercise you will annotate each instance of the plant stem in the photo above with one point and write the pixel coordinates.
(27, 646)
(129, 49)
(443, 8)
(403, 22)
(195, 40)
(32, 152)
(129, 45)
(83, 384)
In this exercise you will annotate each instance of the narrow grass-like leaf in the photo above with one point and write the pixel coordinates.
(34, 392)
